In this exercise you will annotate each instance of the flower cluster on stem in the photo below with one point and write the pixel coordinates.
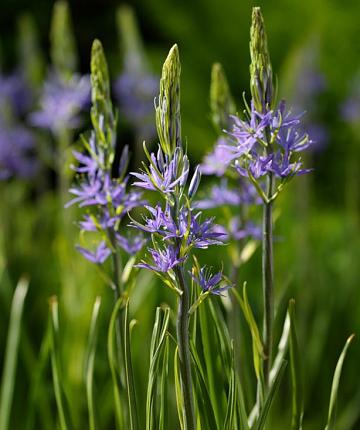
(102, 187)
(175, 226)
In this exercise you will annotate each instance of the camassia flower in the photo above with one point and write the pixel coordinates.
(135, 95)
(164, 174)
(16, 151)
(103, 193)
(268, 142)
(217, 161)
(61, 102)
(210, 283)
(175, 224)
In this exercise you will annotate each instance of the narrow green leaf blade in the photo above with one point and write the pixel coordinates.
(62, 406)
(232, 396)
(260, 424)
(11, 353)
(129, 374)
(179, 399)
(330, 425)
(119, 407)
(158, 343)
(89, 365)
(203, 399)
(296, 374)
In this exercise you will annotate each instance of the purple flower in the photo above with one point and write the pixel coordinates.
(217, 161)
(223, 195)
(14, 92)
(100, 255)
(350, 109)
(60, 103)
(131, 245)
(135, 95)
(208, 282)
(16, 152)
(99, 189)
(163, 175)
(164, 260)
(251, 139)
(187, 226)
(204, 234)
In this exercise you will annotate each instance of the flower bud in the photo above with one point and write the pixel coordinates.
(168, 120)
(221, 101)
(63, 51)
(261, 78)
(195, 181)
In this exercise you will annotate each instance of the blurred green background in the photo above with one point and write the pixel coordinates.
(318, 243)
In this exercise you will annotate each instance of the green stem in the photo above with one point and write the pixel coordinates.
(123, 340)
(268, 279)
(182, 330)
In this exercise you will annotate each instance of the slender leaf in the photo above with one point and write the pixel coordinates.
(203, 399)
(163, 386)
(244, 425)
(129, 373)
(232, 398)
(282, 348)
(119, 408)
(330, 425)
(207, 334)
(296, 374)
(258, 350)
(260, 424)
(62, 406)
(35, 384)
(89, 365)
(11, 353)
(158, 344)
(179, 399)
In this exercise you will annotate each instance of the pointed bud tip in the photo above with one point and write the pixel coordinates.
(173, 58)
(96, 46)
(216, 70)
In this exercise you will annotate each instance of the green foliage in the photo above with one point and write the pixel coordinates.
(90, 363)
(296, 374)
(221, 101)
(63, 49)
(158, 372)
(56, 366)
(11, 354)
(335, 386)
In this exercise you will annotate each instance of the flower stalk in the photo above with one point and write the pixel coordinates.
(182, 331)
(262, 91)
(174, 224)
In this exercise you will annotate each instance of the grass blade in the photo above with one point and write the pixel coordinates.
(89, 365)
(258, 350)
(282, 348)
(260, 424)
(119, 410)
(36, 387)
(202, 397)
(296, 374)
(163, 386)
(207, 329)
(179, 399)
(330, 425)
(11, 354)
(232, 398)
(158, 343)
(64, 415)
(129, 373)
